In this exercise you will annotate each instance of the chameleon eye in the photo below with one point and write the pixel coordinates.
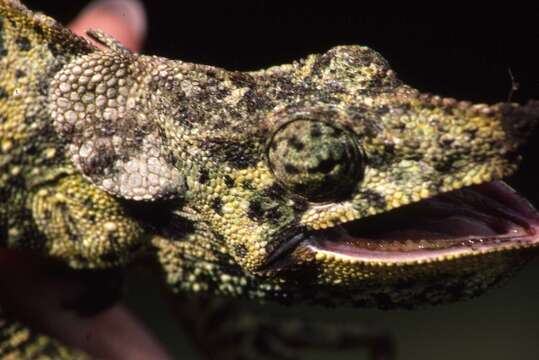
(315, 159)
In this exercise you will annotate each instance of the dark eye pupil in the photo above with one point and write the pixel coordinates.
(315, 159)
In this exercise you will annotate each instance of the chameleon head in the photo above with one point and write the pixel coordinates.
(326, 178)
(408, 199)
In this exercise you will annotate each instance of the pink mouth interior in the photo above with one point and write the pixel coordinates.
(474, 218)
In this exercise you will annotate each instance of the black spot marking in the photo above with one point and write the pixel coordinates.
(443, 166)
(47, 214)
(300, 205)
(291, 169)
(38, 30)
(336, 132)
(400, 126)
(389, 149)
(255, 211)
(273, 215)
(382, 110)
(54, 49)
(240, 250)
(275, 191)
(23, 43)
(54, 69)
(254, 101)
(428, 106)
(155, 84)
(315, 132)
(229, 182)
(322, 62)
(324, 166)
(285, 88)
(405, 107)
(203, 176)
(247, 184)
(87, 202)
(71, 233)
(43, 86)
(295, 143)
(217, 205)
(29, 120)
(3, 93)
(448, 110)
(238, 155)
(264, 210)
(446, 142)
(19, 74)
(31, 149)
(375, 199)
(18, 182)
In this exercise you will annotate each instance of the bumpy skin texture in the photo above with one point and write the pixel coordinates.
(107, 156)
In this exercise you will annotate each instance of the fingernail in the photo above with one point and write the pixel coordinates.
(131, 11)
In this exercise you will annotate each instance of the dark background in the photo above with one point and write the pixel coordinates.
(451, 51)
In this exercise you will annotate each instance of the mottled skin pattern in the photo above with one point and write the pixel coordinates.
(107, 156)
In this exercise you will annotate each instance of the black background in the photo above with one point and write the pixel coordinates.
(448, 49)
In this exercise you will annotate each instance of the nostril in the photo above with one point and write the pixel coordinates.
(519, 121)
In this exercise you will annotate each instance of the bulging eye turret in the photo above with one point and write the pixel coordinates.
(315, 159)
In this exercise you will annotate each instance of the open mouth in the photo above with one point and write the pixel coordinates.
(481, 218)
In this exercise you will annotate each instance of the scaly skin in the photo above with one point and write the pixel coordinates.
(107, 156)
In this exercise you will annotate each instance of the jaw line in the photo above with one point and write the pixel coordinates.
(426, 256)
(329, 249)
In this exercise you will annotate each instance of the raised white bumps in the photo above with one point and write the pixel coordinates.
(96, 107)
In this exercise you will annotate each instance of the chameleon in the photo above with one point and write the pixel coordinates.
(326, 181)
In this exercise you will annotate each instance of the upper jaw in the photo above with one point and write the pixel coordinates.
(475, 220)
